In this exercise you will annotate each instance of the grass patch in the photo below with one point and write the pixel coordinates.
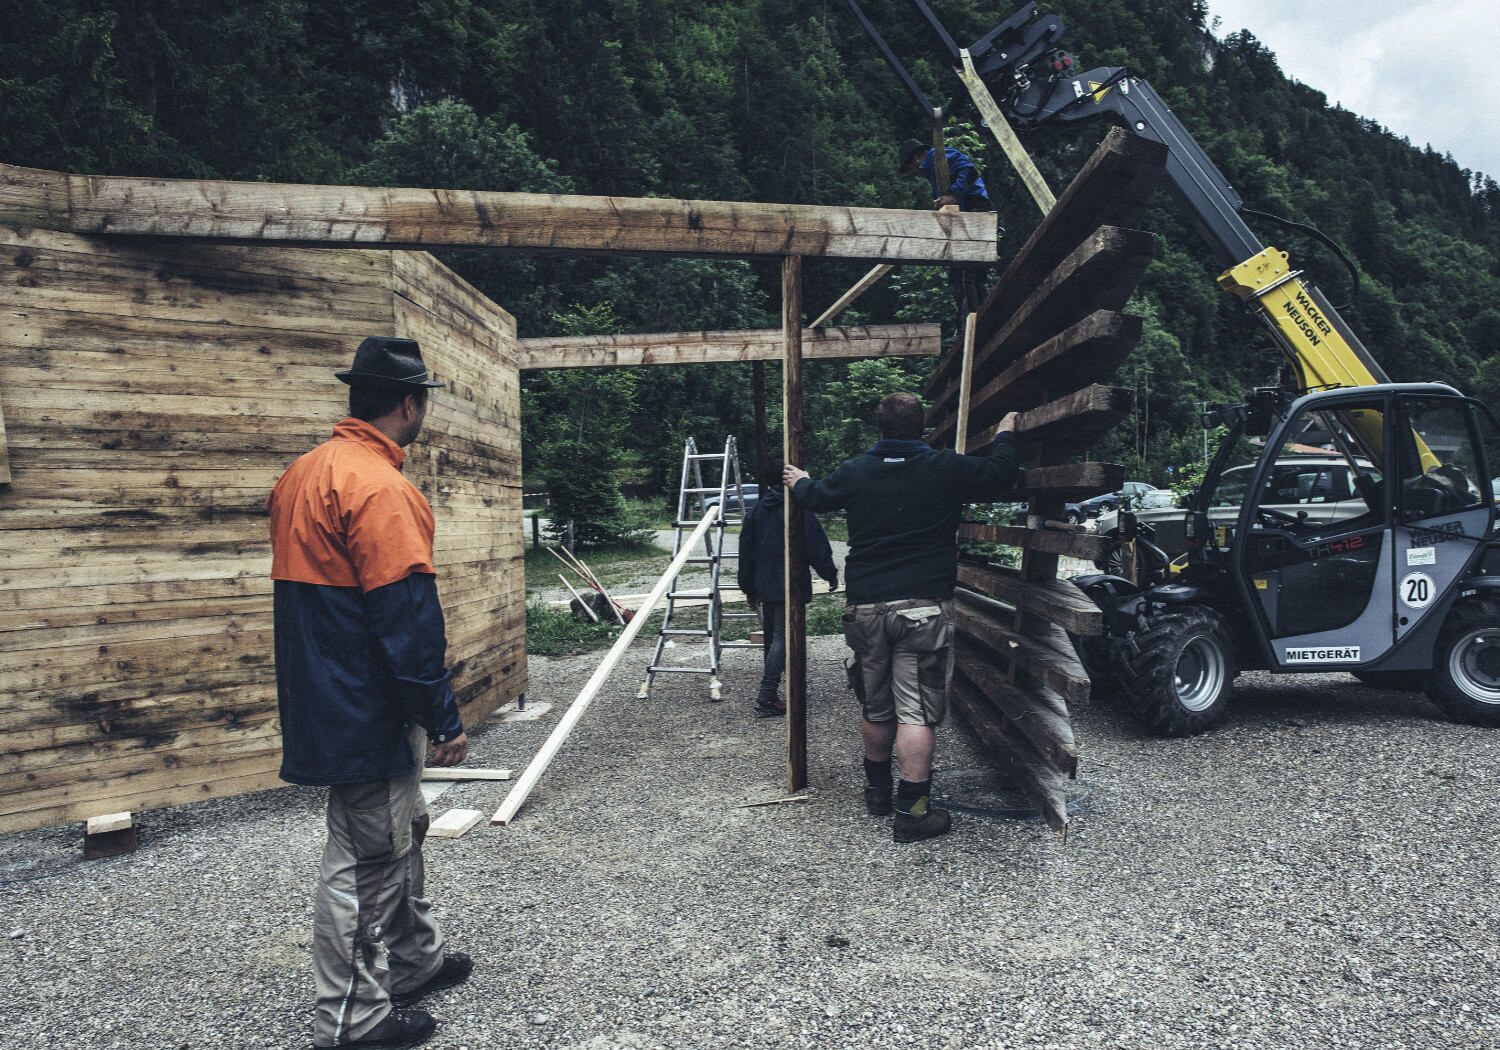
(613, 565)
(554, 632)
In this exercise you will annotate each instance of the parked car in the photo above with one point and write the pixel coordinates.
(1319, 486)
(1015, 513)
(752, 496)
(1110, 501)
(1156, 499)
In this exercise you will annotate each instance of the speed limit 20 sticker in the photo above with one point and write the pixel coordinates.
(1417, 590)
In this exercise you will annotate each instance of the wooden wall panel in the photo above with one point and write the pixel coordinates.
(152, 394)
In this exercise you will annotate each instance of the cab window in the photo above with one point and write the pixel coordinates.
(1439, 457)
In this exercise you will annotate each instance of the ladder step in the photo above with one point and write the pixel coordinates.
(708, 455)
(740, 616)
(685, 630)
(656, 669)
(741, 645)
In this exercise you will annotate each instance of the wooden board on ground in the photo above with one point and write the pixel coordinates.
(454, 824)
(152, 395)
(463, 773)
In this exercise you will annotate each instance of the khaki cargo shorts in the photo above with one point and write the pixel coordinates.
(902, 659)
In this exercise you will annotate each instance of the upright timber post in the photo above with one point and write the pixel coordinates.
(796, 551)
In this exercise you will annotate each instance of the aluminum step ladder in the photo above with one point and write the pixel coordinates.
(694, 500)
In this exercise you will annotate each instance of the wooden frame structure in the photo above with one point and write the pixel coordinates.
(197, 240)
(1047, 338)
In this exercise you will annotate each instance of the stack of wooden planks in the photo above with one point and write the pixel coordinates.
(152, 393)
(1048, 337)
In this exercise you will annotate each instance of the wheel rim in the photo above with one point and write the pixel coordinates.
(1474, 664)
(1199, 674)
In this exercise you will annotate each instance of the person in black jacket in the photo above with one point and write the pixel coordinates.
(904, 501)
(761, 574)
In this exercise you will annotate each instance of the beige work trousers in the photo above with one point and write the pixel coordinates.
(373, 932)
(901, 662)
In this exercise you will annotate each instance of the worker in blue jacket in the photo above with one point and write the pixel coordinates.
(761, 577)
(967, 190)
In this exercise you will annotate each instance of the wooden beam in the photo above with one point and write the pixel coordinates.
(699, 348)
(517, 796)
(795, 562)
(965, 386)
(1072, 544)
(33, 197)
(4, 450)
(109, 835)
(1055, 600)
(454, 824)
(1075, 421)
(1034, 713)
(1044, 661)
(1043, 783)
(1100, 274)
(861, 286)
(461, 773)
(1073, 480)
(388, 217)
(1087, 352)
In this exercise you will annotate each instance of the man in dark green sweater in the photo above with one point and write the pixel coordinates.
(904, 502)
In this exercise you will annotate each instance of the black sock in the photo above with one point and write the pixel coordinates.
(878, 774)
(911, 790)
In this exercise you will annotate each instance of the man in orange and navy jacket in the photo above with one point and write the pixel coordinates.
(363, 690)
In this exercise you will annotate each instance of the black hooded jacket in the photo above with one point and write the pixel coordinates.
(762, 544)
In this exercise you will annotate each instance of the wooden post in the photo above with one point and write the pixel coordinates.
(762, 437)
(965, 381)
(796, 554)
(536, 532)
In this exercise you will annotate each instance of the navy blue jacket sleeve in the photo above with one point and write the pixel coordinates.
(832, 493)
(407, 620)
(817, 549)
(979, 479)
(745, 575)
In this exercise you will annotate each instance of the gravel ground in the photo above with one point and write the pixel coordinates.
(1319, 873)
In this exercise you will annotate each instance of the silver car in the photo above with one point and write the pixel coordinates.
(1319, 486)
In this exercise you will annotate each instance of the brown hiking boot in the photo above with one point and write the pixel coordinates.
(921, 821)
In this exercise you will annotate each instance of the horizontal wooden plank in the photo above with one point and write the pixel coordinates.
(1042, 783)
(359, 216)
(1037, 717)
(1073, 480)
(1100, 274)
(1048, 541)
(1049, 661)
(683, 348)
(1088, 352)
(1054, 600)
(32, 197)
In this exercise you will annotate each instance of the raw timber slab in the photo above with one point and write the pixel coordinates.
(1083, 545)
(1087, 352)
(1049, 661)
(695, 348)
(1032, 711)
(1055, 600)
(1044, 784)
(391, 217)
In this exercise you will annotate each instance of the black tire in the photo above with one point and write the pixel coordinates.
(1465, 679)
(1396, 681)
(1190, 638)
(1073, 518)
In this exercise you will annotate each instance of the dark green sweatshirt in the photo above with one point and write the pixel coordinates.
(904, 502)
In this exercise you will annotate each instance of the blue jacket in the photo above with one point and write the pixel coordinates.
(965, 182)
(762, 541)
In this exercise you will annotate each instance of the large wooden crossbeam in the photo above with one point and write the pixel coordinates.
(386, 217)
(701, 348)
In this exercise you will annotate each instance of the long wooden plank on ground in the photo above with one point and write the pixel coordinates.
(1088, 352)
(454, 824)
(1100, 274)
(1032, 711)
(1045, 785)
(695, 348)
(517, 796)
(1051, 662)
(386, 217)
(1056, 600)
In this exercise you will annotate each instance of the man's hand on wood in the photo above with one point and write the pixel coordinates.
(450, 752)
(945, 200)
(790, 475)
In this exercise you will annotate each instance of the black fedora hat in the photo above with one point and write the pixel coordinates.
(910, 147)
(386, 363)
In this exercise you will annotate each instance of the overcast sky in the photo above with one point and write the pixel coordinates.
(1422, 68)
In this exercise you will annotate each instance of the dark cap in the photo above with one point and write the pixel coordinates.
(911, 147)
(386, 363)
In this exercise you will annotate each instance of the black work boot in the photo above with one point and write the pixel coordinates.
(455, 970)
(399, 1028)
(771, 706)
(918, 819)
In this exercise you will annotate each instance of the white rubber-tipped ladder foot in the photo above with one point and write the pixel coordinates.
(714, 691)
